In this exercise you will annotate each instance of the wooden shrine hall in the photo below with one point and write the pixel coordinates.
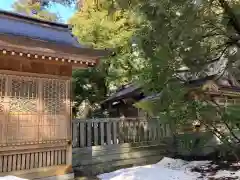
(224, 90)
(36, 62)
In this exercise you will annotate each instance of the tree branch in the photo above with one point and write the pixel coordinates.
(228, 10)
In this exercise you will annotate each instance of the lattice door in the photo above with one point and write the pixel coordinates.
(22, 110)
(34, 110)
(55, 104)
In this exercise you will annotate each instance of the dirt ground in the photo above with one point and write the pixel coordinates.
(212, 169)
(87, 178)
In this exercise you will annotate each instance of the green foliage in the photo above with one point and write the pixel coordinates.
(89, 85)
(34, 9)
(95, 26)
(202, 36)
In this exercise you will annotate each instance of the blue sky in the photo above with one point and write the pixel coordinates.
(64, 12)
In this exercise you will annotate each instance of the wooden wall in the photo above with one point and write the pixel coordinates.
(33, 65)
(103, 145)
(35, 124)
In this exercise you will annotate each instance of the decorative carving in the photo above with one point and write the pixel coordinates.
(54, 95)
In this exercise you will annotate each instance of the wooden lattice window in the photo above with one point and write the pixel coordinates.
(33, 109)
(23, 95)
(54, 95)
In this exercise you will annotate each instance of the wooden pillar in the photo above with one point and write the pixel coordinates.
(69, 130)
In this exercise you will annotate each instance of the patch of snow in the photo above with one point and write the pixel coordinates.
(151, 172)
(11, 178)
(168, 169)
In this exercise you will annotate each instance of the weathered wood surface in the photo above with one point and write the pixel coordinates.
(108, 144)
(120, 153)
(117, 164)
(33, 65)
(95, 132)
(35, 122)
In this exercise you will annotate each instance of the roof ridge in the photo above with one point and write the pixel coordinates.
(34, 20)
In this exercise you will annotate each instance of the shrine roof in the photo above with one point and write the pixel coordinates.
(123, 92)
(128, 90)
(222, 82)
(47, 36)
(16, 24)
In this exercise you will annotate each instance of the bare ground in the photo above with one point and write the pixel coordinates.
(214, 167)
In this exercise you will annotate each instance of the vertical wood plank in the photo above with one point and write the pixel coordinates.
(138, 128)
(125, 131)
(1, 163)
(145, 131)
(168, 130)
(52, 157)
(8, 86)
(19, 162)
(23, 165)
(9, 163)
(55, 157)
(69, 114)
(157, 131)
(82, 135)
(89, 134)
(102, 132)
(154, 133)
(5, 163)
(149, 131)
(114, 132)
(96, 124)
(164, 130)
(40, 160)
(40, 106)
(59, 157)
(109, 135)
(28, 161)
(48, 158)
(121, 132)
(44, 159)
(36, 159)
(14, 163)
(75, 134)
(32, 158)
(129, 124)
(63, 157)
(160, 131)
(135, 130)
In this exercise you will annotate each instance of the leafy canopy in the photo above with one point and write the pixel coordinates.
(35, 9)
(95, 26)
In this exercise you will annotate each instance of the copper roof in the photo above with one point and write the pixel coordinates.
(37, 35)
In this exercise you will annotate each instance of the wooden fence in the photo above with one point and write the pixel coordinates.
(101, 145)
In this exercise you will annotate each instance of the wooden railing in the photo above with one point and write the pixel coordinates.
(106, 131)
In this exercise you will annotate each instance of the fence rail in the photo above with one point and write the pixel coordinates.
(106, 131)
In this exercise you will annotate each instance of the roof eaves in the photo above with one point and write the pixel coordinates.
(32, 19)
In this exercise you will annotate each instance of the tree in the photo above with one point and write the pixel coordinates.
(203, 37)
(97, 27)
(35, 9)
